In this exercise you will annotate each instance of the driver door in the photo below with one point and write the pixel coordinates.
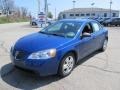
(86, 45)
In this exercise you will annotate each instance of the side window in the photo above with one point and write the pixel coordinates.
(95, 26)
(88, 29)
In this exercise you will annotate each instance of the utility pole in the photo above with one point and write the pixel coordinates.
(110, 8)
(92, 4)
(48, 7)
(46, 12)
(38, 6)
(74, 1)
(55, 13)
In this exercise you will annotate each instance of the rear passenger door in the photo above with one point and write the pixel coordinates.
(98, 35)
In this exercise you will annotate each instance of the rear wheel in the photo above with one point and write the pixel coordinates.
(67, 65)
(104, 46)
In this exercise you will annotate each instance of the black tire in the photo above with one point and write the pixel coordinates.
(104, 46)
(34, 24)
(61, 71)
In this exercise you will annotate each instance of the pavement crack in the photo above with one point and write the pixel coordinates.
(105, 67)
(2, 43)
(106, 60)
(105, 70)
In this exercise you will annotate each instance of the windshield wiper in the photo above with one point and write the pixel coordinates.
(58, 34)
(55, 34)
(44, 32)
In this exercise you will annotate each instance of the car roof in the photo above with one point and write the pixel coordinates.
(78, 20)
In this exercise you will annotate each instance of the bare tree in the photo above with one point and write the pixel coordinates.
(13, 12)
(17, 12)
(24, 12)
(8, 6)
(1, 5)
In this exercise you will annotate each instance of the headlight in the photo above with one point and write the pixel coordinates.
(45, 54)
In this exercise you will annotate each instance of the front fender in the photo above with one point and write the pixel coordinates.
(67, 49)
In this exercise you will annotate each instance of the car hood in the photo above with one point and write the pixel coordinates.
(36, 42)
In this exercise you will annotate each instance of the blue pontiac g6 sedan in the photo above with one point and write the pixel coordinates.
(57, 48)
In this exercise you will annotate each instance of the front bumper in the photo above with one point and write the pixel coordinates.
(43, 67)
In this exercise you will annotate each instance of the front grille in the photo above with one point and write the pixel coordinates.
(19, 55)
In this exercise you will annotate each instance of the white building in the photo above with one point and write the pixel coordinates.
(88, 13)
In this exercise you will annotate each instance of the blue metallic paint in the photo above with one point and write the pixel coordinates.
(37, 42)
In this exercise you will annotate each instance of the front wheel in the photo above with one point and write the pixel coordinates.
(66, 65)
(34, 24)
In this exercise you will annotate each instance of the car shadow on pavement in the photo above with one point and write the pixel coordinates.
(22, 79)
(25, 80)
(87, 58)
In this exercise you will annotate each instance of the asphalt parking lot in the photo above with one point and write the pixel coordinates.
(100, 71)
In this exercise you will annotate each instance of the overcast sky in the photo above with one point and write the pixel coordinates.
(61, 5)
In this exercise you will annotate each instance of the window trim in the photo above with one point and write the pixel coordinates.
(85, 26)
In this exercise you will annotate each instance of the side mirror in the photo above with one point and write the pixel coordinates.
(86, 35)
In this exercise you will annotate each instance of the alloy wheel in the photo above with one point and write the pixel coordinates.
(68, 65)
(105, 44)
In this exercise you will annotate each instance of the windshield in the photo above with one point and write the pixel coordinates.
(63, 28)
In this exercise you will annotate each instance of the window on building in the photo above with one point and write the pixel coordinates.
(93, 14)
(105, 14)
(82, 14)
(114, 15)
(87, 14)
(64, 16)
(77, 15)
(71, 15)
